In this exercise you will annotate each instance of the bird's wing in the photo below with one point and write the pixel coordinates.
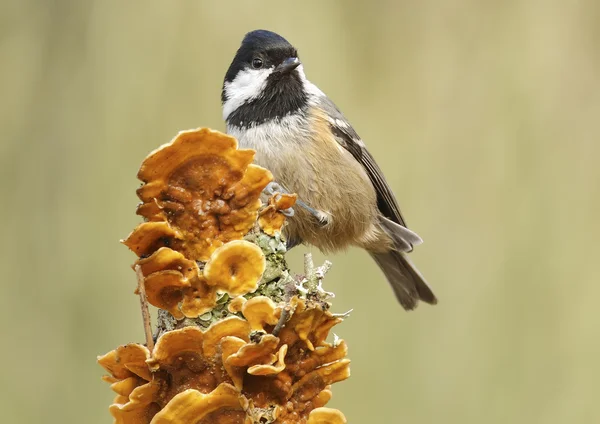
(349, 139)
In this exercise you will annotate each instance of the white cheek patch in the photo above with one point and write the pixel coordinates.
(247, 85)
(312, 90)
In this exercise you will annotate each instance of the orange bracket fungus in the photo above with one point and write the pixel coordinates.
(237, 339)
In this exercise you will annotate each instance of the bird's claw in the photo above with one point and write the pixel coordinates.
(274, 187)
(321, 216)
(289, 212)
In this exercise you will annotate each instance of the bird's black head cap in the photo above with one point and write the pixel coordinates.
(267, 45)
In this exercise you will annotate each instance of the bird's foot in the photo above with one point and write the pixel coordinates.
(323, 217)
(274, 188)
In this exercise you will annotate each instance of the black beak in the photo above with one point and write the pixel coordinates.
(288, 65)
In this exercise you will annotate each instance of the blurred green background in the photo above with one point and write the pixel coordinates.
(485, 117)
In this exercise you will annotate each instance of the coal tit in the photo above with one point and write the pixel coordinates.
(312, 150)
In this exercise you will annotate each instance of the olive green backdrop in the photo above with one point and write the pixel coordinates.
(485, 116)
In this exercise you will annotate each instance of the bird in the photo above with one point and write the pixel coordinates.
(311, 149)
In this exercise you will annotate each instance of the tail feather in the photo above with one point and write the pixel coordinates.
(406, 281)
(408, 284)
(404, 239)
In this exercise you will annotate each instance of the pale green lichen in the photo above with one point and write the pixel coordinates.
(276, 283)
(274, 249)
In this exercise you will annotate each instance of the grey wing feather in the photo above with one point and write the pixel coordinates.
(349, 139)
(408, 284)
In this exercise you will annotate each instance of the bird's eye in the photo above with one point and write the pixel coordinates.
(257, 63)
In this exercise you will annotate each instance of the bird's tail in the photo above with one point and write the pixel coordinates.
(407, 282)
